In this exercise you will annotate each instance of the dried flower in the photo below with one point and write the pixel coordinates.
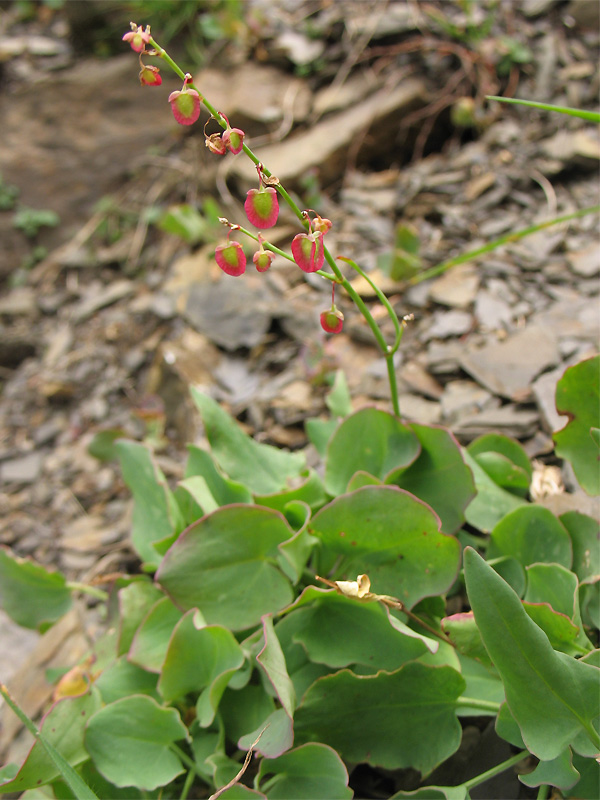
(215, 144)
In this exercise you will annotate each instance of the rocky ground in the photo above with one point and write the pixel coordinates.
(351, 104)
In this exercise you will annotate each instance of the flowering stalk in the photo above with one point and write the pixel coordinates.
(386, 350)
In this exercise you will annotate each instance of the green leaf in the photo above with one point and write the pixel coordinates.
(338, 399)
(547, 692)
(272, 661)
(242, 711)
(504, 473)
(503, 445)
(464, 633)
(129, 741)
(135, 601)
(202, 659)
(224, 564)
(435, 793)
(558, 772)
(222, 490)
(439, 476)
(149, 646)
(319, 432)
(372, 441)
(32, 596)
(588, 786)
(393, 537)
(507, 728)
(185, 221)
(277, 737)
(260, 467)
(59, 748)
(401, 719)
(491, 503)
(310, 491)
(310, 772)
(578, 396)
(122, 678)
(155, 513)
(339, 631)
(102, 445)
(530, 534)
(585, 537)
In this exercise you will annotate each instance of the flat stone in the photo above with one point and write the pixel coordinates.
(508, 368)
(448, 323)
(585, 262)
(417, 409)
(324, 147)
(100, 299)
(457, 287)
(464, 398)
(25, 469)
(581, 147)
(510, 420)
(491, 311)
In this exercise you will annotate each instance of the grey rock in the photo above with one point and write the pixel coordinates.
(585, 262)
(463, 399)
(491, 311)
(508, 367)
(510, 420)
(448, 323)
(457, 287)
(25, 469)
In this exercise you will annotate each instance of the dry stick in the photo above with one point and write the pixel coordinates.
(235, 780)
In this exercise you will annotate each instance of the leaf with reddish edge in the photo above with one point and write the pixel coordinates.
(262, 206)
(308, 251)
(231, 258)
(185, 105)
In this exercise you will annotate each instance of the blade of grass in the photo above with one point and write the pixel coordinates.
(507, 238)
(592, 116)
(77, 785)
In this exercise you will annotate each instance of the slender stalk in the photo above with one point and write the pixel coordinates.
(189, 762)
(189, 780)
(491, 773)
(482, 705)
(358, 301)
(75, 586)
(543, 792)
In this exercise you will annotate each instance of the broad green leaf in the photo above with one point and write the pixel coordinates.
(102, 445)
(504, 473)
(135, 601)
(588, 786)
(393, 537)
(507, 728)
(296, 552)
(310, 491)
(277, 737)
(491, 503)
(242, 711)
(483, 683)
(309, 772)
(371, 441)
(578, 396)
(547, 692)
(553, 584)
(558, 772)
(439, 476)
(464, 633)
(338, 399)
(123, 678)
(149, 646)
(224, 565)
(206, 743)
(339, 631)
(272, 661)
(32, 596)
(360, 479)
(319, 432)
(394, 720)
(223, 490)
(62, 728)
(531, 534)
(560, 630)
(200, 658)
(129, 741)
(155, 512)
(511, 570)
(504, 445)
(262, 468)
(585, 537)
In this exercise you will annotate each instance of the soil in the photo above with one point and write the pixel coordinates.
(376, 113)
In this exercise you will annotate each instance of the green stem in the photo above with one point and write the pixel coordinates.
(358, 301)
(189, 780)
(482, 705)
(75, 586)
(543, 792)
(509, 237)
(491, 773)
(189, 762)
